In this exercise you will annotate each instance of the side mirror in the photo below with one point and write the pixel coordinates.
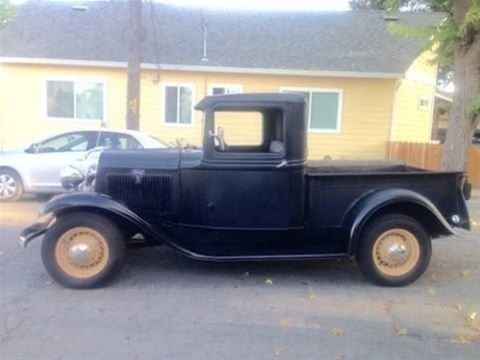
(219, 137)
(32, 149)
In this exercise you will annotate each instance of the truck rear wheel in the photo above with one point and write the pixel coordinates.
(83, 250)
(394, 250)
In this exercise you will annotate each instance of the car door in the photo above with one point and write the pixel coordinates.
(53, 154)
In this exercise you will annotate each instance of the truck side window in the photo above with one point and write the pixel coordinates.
(249, 131)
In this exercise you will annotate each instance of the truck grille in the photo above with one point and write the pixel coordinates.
(145, 189)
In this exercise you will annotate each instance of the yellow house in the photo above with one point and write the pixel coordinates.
(63, 67)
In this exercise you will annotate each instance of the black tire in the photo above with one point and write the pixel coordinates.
(112, 236)
(373, 232)
(10, 175)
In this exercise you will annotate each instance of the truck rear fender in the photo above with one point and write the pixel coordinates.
(393, 201)
(91, 202)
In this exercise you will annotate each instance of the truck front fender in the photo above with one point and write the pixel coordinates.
(403, 201)
(81, 201)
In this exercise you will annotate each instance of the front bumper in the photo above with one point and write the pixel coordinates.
(36, 229)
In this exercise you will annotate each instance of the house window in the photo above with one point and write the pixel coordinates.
(423, 104)
(221, 89)
(75, 99)
(323, 108)
(178, 104)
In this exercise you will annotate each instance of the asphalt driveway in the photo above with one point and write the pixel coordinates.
(166, 306)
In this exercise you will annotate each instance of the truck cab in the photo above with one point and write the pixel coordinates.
(250, 194)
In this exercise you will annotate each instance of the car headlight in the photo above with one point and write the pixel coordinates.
(71, 177)
(92, 170)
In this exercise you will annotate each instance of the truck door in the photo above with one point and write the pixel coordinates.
(246, 194)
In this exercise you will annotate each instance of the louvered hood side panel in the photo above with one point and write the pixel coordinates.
(149, 190)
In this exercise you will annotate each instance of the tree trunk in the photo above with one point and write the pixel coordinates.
(133, 69)
(466, 77)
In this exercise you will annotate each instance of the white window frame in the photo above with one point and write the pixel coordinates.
(338, 129)
(191, 86)
(74, 80)
(238, 87)
(423, 107)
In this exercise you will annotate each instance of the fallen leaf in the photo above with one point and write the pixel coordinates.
(337, 331)
(472, 316)
(431, 290)
(460, 339)
(459, 307)
(465, 273)
(269, 282)
(284, 323)
(401, 331)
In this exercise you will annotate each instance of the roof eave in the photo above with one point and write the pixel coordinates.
(199, 68)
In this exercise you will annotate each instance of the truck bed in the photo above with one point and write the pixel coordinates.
(334, 187)
(325, 167)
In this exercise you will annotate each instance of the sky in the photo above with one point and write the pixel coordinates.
(331, 5)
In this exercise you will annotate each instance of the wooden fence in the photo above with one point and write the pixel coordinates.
(428, 156)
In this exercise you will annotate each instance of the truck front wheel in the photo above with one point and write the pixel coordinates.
(394, 250)
(83, 250)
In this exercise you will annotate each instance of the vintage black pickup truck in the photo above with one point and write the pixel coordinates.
(251, 202)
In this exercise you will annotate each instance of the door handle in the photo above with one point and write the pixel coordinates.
(282, 164)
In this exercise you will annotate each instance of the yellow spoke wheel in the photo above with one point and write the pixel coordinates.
(82, 252)
(396, 252)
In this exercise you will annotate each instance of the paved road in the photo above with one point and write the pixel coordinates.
(165, 306)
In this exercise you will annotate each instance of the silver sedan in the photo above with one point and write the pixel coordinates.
(36, 168)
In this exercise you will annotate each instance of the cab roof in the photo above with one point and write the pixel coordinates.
(255, 99)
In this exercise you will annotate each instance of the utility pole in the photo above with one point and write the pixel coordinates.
(133, 69)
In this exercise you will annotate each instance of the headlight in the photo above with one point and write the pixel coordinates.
(89, 184)
(92, 170)
(71, 177)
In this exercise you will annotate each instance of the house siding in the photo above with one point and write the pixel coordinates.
(410, 122)
(366, 110)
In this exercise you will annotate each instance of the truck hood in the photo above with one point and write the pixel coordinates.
(146, 179)
(158, 159)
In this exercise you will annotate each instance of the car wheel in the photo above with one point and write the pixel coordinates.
(11, 187)
(394, 250)
(82, 250)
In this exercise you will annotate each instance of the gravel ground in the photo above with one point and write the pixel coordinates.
(166, 306)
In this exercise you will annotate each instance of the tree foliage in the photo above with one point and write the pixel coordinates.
(6, 11)
(456, 43)
(443, 37)
(409, 5)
